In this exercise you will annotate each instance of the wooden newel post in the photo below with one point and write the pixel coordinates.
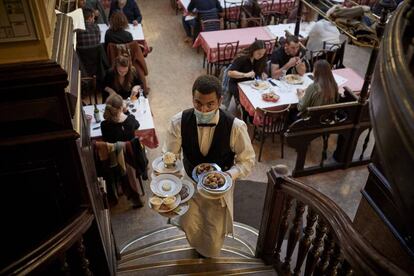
(298, 18)
(272, 214)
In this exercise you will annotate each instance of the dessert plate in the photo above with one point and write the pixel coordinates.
(166, 185)
(159, 167)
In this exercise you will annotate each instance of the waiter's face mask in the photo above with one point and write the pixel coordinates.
(205, 106)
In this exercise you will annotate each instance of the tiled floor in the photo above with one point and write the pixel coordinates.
(173, 66)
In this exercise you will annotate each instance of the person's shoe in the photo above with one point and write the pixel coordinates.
(150, 49)
(201, 256)
(188, 39)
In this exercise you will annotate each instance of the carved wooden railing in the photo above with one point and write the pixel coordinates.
(323, 121)
(327, 245)
(64, 253)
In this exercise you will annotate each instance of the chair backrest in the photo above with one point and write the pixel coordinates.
(210, 25)
(93, 61)
(270, 45)
(254, 21)
(329, 56)
(267, 6)
(274, 120)
(339, 49)
(226, 52)
(232, 11)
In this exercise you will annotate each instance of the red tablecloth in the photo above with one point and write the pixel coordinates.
(246, 36)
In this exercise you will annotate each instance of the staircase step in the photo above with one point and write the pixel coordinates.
(176, 253)
(243, 242)
(185, 266)
(261, 270)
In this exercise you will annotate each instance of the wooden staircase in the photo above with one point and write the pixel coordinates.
(166, 251)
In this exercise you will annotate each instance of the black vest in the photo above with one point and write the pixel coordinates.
(219, 152)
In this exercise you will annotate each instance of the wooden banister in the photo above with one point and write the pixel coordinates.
(52, 248)
(333, 248)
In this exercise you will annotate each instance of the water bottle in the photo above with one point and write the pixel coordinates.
(96, 114)
(141, 101)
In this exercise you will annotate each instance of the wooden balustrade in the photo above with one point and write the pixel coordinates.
(56, 249)
(324, 122)
(328, 243)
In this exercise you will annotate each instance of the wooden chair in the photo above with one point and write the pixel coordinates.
(253, 22)
(225, 54)
(93, 65)
(232, 11)
(271, 122)
(270, 44)
(210, 25)
(329, 55)
(277, 10)
(339, 49)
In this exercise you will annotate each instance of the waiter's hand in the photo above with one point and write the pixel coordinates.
(229, 174)
(135, 23)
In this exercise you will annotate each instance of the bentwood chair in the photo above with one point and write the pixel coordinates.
(270, 45)
(232, 12)
(225, 54)
(271, 122)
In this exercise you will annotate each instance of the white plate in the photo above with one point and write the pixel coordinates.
(208, 195)
(158, 166)
(294, 79)
(227, 184)
(263, 87)
(176, 203)
(190, 189)
(159, 181)
(194, 174)
(179, 211)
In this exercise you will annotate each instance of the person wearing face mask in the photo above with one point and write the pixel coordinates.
(207, 134)
(287, 58)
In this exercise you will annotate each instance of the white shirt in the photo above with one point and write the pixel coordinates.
(323, 30)
(239, 143)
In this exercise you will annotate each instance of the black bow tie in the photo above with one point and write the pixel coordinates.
(206, 125)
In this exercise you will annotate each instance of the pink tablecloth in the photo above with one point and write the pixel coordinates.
(246, 36)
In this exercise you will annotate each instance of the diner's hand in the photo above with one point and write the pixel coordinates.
(250, 74)
(264, 76)
(135, 23)
(300, 93)
(292, 62)
(135, 90)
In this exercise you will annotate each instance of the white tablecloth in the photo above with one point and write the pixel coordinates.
(279, 30)
(136, 31)
(144, 118)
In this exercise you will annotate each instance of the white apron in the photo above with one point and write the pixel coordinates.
(207, 221)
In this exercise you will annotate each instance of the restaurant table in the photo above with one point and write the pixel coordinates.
(280, 29)
(251, 98)
(146, 131)
(183, 4)
(246, 36)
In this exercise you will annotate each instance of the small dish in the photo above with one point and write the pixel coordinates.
(166, 185)
(270, 97)
(215, 182)
(187, 191)
(164, 208)
(159, 166)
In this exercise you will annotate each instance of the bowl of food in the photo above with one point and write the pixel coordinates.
(155, 202)
(169, 160)
(204, 168)
(294, 79)
(215, 182)
(270, 97)
(169, 202)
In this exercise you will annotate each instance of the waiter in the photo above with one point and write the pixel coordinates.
(207, 134)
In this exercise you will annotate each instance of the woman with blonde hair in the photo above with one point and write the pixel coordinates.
(323, 91)
(122, 79)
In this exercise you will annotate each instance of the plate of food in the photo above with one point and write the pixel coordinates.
(294, 79)
(159, 166)
(260, 85)
(164, 205)
(203, 168)
(179, 211)
(215, 182)
(166, 185)
(187, 191)
(270, 97)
